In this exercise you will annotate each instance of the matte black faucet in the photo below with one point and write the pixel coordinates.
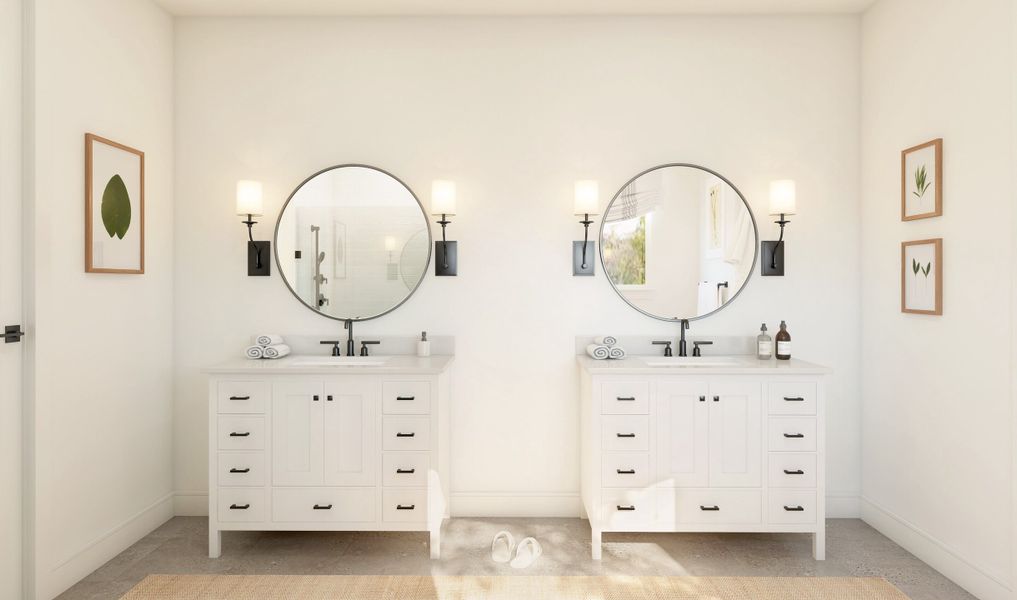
(350, 346)
(682, 347)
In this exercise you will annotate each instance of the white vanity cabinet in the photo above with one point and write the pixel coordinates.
(344, 448)
(733, 448)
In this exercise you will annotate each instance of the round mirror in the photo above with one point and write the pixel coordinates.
(352, 242)
(678, 242)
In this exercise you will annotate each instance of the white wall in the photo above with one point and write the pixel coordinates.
(515, 110)
(102, 353)
(937, 397)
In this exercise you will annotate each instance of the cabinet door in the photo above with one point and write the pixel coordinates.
(683, 434)
(736, 451)
(297, 433)
(350, 418)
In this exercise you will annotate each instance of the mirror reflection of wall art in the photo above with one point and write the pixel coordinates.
(114, 207)
(921, 277)
(921, 181)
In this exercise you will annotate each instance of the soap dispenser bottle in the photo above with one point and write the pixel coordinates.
(423, 346)
(783, 343)
(764, 344)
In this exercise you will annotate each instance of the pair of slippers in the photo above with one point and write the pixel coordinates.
(505, 550)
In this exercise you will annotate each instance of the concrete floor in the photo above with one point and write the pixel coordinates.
(180, 546)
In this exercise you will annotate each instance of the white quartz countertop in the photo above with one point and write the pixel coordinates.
(413, 365)
(739, 365)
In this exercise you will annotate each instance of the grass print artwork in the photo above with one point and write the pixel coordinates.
(921, 181)
(921, 277)
(114, 207)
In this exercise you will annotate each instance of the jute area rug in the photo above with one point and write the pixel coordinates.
(365, 587)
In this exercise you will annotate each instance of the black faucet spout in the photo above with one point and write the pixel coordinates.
(348, 326)
(682, 345)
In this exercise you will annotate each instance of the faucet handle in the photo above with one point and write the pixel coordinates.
(666, 344)
(334, 344)
(364, 344)
(696, 344)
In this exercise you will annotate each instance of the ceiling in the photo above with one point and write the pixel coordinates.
(296, 8)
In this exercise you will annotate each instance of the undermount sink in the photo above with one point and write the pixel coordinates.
(339, 361)
(691, 361)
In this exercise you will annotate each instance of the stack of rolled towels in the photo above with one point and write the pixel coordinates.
(267, 345)
(605, 347)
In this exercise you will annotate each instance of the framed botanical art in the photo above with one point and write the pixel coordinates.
(114, 207)
(921, 187)
(921, 277)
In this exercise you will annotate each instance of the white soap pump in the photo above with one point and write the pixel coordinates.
(423, 346)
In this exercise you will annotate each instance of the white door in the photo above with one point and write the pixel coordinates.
(736, 452)
(297, 433)
(350, 422)
(10, 299)
(683, 434)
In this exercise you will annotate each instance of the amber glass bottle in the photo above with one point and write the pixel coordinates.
(783, 343)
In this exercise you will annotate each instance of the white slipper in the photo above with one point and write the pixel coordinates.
(502, 547)
(527, 553)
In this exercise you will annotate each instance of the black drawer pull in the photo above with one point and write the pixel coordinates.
(405, 434)
(406, 398)
(626, 399)
(322, 507)
(405, 507)
(794, 436)
(629, 507)
(798, 399)
(709, 508)
(626, 471)
(328, 397)
(239, 506)
(702, 398)
(247, 470)
(240, 397)
(626, 435)
(716, 398)
(794, 509)
(244, 434)
(316, 397)
(405, 471)
(795, 472)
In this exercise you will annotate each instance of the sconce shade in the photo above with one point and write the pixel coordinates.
(443, 197)
(249, 200)
(390, 243)
(782, 197)
(587, 198)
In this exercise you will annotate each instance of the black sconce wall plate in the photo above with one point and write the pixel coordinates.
(253, 249)
(578, 269)
(770, 265)
(446, 266)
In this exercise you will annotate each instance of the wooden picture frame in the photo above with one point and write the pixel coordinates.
(114, 207)
(915, 194)
(921, 277)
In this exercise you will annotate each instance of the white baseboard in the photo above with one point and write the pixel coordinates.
(843, 505)
(938, 555)
(53, 582)
(190, 504)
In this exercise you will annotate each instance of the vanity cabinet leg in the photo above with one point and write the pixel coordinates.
(819, 543)
(214, 543)
(436, 543)
(595, 539)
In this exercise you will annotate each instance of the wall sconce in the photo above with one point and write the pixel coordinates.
(249, 204)
(587, 203)
(443, 202)
(782, 204)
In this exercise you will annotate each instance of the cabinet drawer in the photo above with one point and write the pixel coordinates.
(625, 398)
(793, 434)
(323, 505)
(241, 505)
(406, 397)
(405, 469)
(625, 470)
(792, 506)
(404, 506)
(790, 470)
(238, 397)
(713, 506)
(407, 433)
(240, 469)
(622, 509)
(623, 433)
(793, 398)
(241, 433)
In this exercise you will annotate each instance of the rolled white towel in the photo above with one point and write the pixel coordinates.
(276, 351)
(616, 352)
(254, 352)
(605, 340)
(598, 352)
(269, 339)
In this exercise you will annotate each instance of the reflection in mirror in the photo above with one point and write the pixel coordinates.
(678, 242)
(352, 242)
